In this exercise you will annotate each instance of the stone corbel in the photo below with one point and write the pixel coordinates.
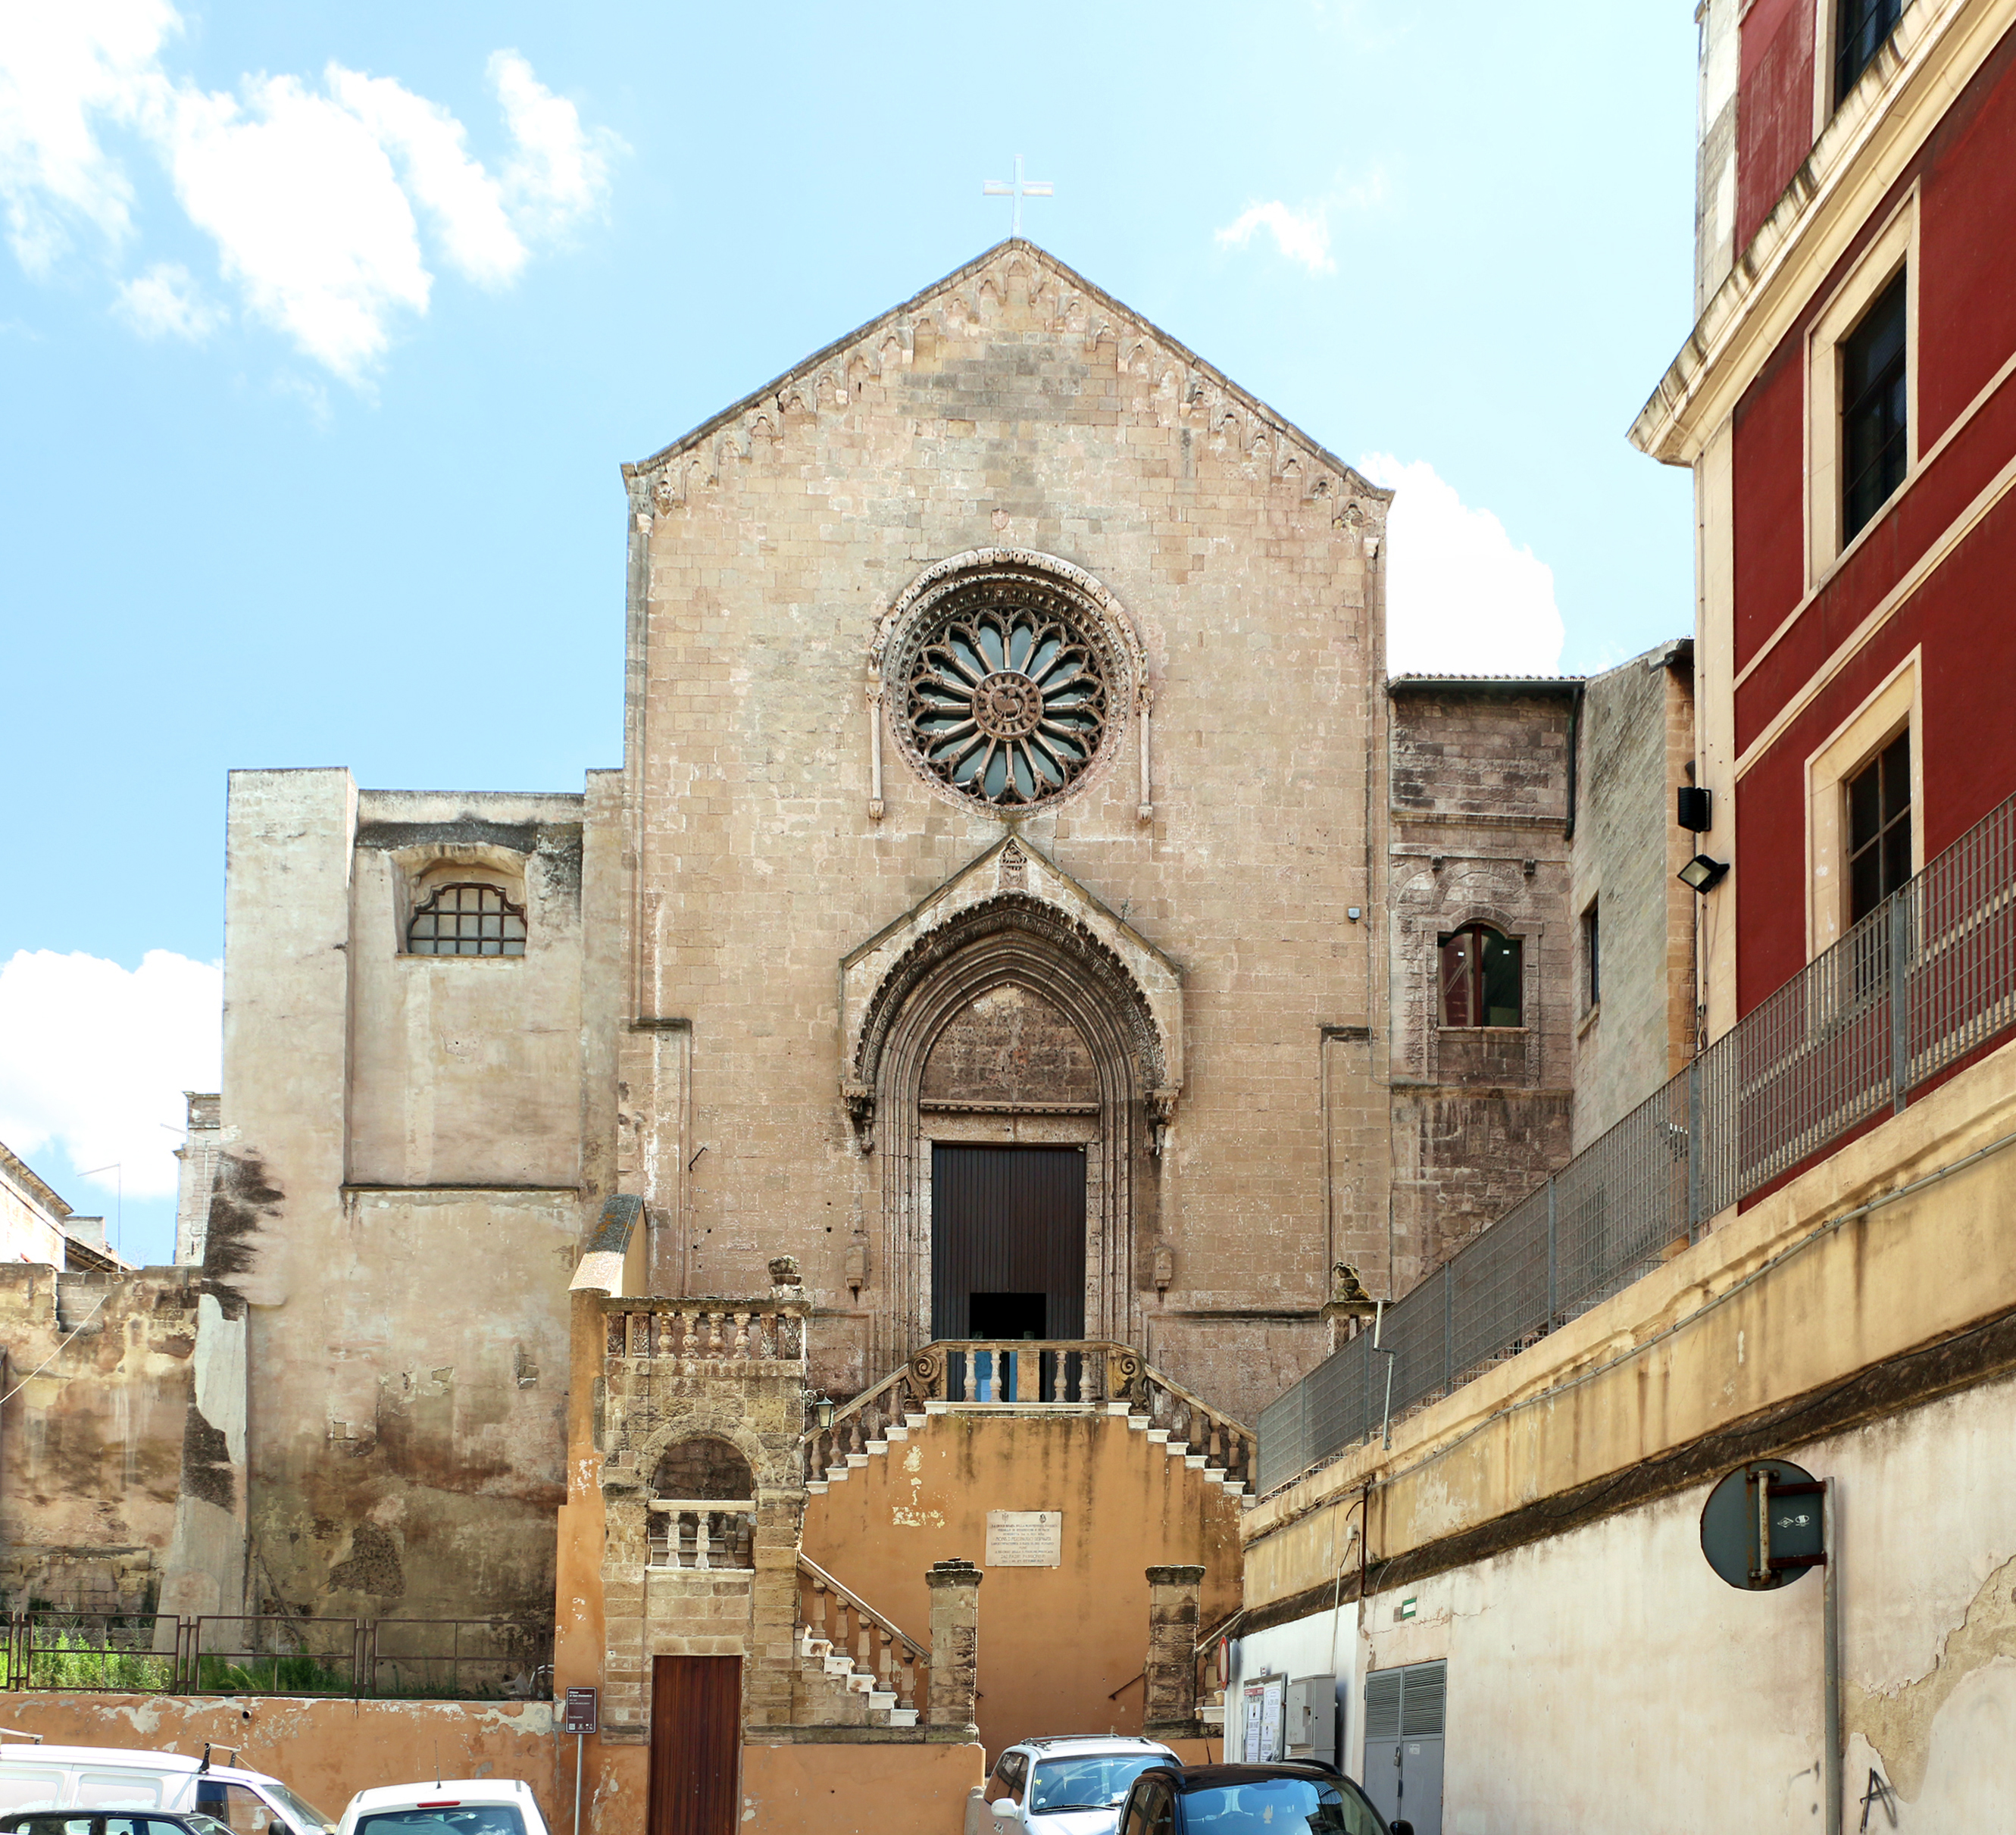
(860, 1100)
(1159, 1109)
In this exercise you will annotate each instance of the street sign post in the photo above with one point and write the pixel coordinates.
(578, 1717)
(1762, 1528)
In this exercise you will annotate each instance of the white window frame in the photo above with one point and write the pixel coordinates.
(1894, 246)
(1851, 745)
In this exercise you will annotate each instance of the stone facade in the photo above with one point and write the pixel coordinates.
(203, 1140)
(765, 969)
(1480, 1114)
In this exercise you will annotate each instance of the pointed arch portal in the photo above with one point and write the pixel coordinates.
(1012, 1065)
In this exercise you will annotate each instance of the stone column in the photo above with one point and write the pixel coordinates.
(955, 1645)
(1169, 1707)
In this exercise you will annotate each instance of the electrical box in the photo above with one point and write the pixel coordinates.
(1311, 1732)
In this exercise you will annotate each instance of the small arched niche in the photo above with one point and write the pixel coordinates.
(703, 1468)
(1009, 1046)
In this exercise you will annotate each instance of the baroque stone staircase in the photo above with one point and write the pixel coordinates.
(1091, 1377)
(854, 1667)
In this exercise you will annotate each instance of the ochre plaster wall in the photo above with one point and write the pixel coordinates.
(1061, 1649)
(327, 1751)
(864, 1790)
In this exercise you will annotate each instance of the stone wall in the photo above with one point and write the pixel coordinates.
(1637, 747)
(400, 1199)
(1481, 787)
(92, 1446)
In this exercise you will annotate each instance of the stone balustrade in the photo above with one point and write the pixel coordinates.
(710, 1330)
(702, 1533)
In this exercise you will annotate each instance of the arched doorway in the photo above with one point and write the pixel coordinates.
(1013, 1062)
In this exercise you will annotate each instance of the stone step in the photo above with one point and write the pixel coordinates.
(1177, 1448)
(1158, 1436)
(815, 1487)
(902, 1717)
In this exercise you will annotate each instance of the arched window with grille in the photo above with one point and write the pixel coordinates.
(1480, 977)
(466, 919)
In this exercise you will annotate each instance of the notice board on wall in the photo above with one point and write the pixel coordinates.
(1025, 1539)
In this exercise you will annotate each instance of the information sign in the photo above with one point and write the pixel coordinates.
(579, 1716)
(1025, 1539)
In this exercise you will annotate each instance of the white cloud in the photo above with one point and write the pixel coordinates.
(463, 204)
(1302, 235)
(60, 65)
(310, 191)
(1460, 599)
(559, 172)
(166, 302)
(95, 1058)
(306, 213)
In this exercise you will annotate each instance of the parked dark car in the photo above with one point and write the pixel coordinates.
(1291, 1798)
(86, 1820)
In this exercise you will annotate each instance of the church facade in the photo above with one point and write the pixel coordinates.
(901, 1127)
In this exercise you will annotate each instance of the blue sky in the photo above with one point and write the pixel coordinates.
(314, 411)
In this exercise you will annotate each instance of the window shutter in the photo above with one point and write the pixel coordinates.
(1382, 1704)
(1421, 1707)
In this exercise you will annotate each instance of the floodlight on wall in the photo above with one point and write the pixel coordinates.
(1702, 874)
(1696, 809)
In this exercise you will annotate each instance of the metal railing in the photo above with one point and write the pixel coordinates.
(1926, 979)
(437, 1659)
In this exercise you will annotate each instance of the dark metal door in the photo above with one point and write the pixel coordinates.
(696, 1745)
(1007, 1242)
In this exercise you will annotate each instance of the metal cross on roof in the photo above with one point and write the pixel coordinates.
(1022, 188)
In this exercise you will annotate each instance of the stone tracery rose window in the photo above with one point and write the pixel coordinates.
(1005, 689)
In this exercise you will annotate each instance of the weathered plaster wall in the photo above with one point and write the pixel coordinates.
(1013, 407)
(1637, 745)
(398, 1199)
(869, 1789)
(1479, 1115)
(1928, 1650)
(31, 1216)
(1127, 1506)
(1878, 1287)
(92, 1446)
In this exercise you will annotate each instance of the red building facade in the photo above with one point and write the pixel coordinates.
(1847, 406)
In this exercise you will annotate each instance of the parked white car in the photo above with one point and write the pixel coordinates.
(121, 1777)
(1062, 1786)
(461, 1806)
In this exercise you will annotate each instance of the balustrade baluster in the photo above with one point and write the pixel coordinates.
(686, 1342)
(740, 1347)
(701, 1539)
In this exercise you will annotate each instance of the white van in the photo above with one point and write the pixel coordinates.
(120, 1777)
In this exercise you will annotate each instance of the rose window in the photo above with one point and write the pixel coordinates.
(1005, 693)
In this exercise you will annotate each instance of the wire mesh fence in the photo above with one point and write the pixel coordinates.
(1924, 981)
(279, 1653)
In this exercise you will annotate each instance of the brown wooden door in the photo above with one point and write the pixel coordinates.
(1007, 1242)
(696, 1744)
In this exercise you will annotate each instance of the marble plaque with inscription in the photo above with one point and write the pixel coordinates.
(1025, 1539)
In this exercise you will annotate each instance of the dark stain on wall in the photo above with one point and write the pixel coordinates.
(242, 1196)
(373, 1566)
(206, 1472)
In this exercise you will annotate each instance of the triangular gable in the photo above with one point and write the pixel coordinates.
(1075, 307)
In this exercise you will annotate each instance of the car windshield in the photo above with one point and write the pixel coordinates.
(469, 1818)
(1280, 1806)
(300, 1812)
(1098, 1780)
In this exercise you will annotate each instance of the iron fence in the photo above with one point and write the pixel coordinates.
(1926, 979)
(436, 1659)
